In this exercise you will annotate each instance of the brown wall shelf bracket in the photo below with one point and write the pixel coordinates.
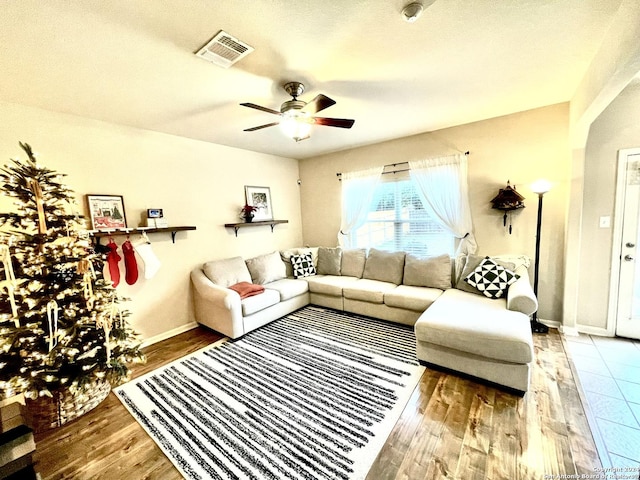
(271, 223)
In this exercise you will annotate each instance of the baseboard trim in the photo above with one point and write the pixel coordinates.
(550, 323)
(598, 331)
(168, 334)
(569, 331)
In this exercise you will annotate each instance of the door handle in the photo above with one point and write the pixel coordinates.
(630, 245)
(628, 258)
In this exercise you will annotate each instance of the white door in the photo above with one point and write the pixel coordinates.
(628, 311)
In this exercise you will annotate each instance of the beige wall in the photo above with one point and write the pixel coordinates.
(617, 127)
(521, 148)
(612, 68)
(196, 183)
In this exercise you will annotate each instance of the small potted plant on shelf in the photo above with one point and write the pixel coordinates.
(247, 212)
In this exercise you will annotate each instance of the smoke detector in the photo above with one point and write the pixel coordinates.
(224, 50)
(411, 12)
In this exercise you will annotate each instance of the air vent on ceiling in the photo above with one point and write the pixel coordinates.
(224, 50)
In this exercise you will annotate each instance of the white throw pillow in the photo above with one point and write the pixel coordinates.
(303, 265)
(286, 255)
(469, 264)
(491, 279)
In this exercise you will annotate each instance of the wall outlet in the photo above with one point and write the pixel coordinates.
(605, 222)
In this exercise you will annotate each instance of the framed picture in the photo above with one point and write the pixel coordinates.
(259, 197)
(154, 213)
(106, 212)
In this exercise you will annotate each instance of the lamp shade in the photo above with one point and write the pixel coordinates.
(541, 186)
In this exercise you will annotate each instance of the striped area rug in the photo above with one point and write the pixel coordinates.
(313, 395)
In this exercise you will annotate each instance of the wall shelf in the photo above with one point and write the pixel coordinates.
(129, 231)
(271, 223)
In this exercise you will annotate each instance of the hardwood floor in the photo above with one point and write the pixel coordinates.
(456, 428)
(107, 443)
(451, 428)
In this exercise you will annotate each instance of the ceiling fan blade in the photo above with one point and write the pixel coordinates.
(258, 107)
(319, 103)
(334, 122)
(253, 129)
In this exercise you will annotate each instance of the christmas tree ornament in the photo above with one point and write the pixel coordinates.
(34, 186)
(130, 264)
(85, 268)
(9, 283)
(52, 318)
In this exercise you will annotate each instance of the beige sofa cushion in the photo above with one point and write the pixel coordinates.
(329, 260)
(288, 287)
(411, 298)
(266, 268)
(478, 325)
(353, 261)
(227, 272)
(384, 266)
(367, 290)
(329, 285)
(251, 305)
(433, 272)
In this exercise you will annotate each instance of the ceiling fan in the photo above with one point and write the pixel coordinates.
(297, 116)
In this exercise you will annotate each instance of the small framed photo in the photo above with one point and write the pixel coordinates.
(259, 197)
(106, 212)
(154, 213)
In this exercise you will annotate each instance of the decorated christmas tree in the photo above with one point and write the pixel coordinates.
(61, 327)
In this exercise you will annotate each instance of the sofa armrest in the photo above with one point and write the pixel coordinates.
(212, 292)
(216, 307)
(520, 296)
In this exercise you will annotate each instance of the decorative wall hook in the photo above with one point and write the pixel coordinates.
(508, 200)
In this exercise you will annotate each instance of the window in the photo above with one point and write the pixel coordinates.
(397, 221)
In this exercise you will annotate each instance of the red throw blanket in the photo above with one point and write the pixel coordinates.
(246, 289)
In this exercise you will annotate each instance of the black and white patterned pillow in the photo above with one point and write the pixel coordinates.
(303, 265)
(491, 279)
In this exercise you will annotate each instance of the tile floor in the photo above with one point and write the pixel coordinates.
(609, 372)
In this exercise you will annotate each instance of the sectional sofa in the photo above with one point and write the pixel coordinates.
(458, 325)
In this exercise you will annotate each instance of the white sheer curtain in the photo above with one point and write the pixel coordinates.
(357, 194)
(442, 185)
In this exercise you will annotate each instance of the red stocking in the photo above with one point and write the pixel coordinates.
(130, 263)
(112, 260)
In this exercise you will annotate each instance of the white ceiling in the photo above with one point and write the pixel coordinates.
(132, 62)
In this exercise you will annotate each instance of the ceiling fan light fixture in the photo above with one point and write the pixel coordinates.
(412, 11)
(295, 125)
(297, 117)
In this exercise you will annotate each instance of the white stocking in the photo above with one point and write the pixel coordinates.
(151, 262)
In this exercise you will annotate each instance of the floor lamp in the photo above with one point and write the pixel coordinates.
(539, 187)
